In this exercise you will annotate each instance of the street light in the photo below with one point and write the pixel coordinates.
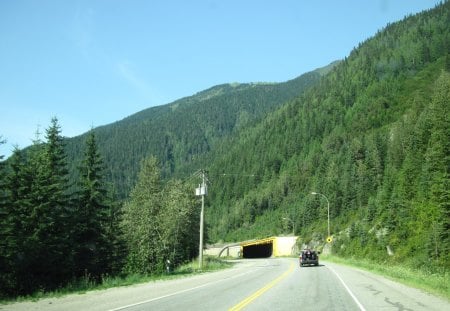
(328, 202)
(293, 224)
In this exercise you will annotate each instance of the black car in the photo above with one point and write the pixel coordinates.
(309, 257)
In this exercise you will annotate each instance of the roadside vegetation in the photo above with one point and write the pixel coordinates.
(437, 283)
(86, 283)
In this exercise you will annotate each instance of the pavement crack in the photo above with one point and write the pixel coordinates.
(398, 305)
(374, 290)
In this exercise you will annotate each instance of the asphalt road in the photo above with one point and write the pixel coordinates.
(260, 284)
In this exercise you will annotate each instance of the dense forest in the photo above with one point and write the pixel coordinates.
(48, 235)
(371, 134)
(57, 232)
(180, 132)
(373, 137)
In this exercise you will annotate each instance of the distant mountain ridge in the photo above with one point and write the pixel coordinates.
(180, 132)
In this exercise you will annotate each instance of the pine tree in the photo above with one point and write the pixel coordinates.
(437, 165)
(18, 184)
(27, 218)
(6, 243)
(114, 234)
(51, 212)
(91, 245)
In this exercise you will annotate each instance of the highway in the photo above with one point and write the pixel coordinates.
(254, 284)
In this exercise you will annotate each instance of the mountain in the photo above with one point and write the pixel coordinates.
(369, 133)
(372, 137)
(179, 133)
(353, 158)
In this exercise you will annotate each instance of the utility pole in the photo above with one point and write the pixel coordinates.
(201, 191)
(329, 238)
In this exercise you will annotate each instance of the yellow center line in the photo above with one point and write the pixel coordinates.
(262, 290)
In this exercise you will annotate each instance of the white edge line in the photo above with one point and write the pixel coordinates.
(361, 307)
(176, 293)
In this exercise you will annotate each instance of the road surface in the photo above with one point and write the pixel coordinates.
(259, 284)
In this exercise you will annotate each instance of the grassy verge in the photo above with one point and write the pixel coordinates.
(435, 283)
(84, 285)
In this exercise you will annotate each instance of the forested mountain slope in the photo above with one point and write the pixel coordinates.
(373, 137)
(178, 133)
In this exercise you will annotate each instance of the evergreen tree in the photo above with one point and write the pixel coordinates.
(91, 243)
(27, 218)
(437, 166)
(114, 234)
(18, 184)
(51, 212)
(6, 275)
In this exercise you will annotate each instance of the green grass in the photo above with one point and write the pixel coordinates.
(209, 264)
(434, 283)
(86, 284)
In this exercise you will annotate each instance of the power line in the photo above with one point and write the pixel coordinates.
(235, 174)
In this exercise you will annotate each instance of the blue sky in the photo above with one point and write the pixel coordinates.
(93, 62)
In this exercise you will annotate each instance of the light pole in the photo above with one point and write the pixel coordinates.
(293, 224)
(328, 203)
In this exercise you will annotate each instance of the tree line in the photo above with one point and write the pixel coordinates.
(55, 231)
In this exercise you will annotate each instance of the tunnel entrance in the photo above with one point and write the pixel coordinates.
(258, 250)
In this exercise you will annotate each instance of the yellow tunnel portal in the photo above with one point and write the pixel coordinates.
(269, 247)
(257, 249)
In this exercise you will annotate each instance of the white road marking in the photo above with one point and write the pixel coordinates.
(180, 292)
(361, 307)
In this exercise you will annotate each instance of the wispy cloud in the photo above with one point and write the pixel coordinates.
(83, 35)
(129, 72)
